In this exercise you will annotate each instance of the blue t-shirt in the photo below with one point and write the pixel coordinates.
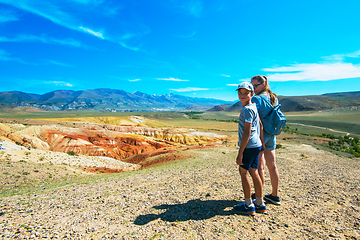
(261, 105)
(249, 114)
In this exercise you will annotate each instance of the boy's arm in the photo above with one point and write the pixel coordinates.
(244, 140)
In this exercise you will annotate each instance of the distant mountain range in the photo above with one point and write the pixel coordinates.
(120, 101)
(106, 100)
(306, 103)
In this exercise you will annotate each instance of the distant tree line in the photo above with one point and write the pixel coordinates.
(339, 143)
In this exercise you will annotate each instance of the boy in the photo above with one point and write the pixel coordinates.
(250, 146)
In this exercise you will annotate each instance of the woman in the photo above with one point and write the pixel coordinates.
(263, 93)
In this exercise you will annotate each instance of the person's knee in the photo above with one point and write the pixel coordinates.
(261, 167)
(271, 166)
(243, 171)
(253, 171)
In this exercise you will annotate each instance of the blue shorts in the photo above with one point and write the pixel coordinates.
(269, 141)
(250, 158)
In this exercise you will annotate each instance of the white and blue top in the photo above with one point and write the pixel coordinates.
(249, 114)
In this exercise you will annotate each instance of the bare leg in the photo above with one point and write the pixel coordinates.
(261, 169)
(273, 171)
(245, 181)
(257, 182)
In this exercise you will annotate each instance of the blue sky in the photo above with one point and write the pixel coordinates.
(195, 48)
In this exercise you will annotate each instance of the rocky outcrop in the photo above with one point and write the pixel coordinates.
(128, 143)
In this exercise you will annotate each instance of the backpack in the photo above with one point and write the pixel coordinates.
(275, 121)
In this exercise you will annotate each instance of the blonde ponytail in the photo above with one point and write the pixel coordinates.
(262, 79)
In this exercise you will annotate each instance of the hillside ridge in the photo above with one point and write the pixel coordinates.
(307, 103)
(106, 99)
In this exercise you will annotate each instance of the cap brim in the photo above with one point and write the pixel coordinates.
(244, 88)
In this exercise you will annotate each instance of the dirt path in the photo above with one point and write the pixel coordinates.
(332, 130)
(193, 199)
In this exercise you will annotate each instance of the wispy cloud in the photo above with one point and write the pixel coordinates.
(56, 12)
(7, 16)
(341, 57)
(97, 34)
(239, 81)
(188, 36)
(59, 63)
(189, 89)
(43, 39)
(4, 56)
(195, 8)
(314, 72)
(89, 1)
(172, 79)
(59, 83)
(191, 7)
(224, 75)
(134, 80)
(129, 47)
(45, 9)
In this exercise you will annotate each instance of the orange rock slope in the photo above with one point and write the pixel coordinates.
(127, 143)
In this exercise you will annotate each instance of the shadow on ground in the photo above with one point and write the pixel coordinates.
(191, 210)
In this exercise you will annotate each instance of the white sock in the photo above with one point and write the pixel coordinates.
(248, 201)
(259, 201)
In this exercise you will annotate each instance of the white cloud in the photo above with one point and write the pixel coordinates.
(96, 2)
(43, 39)
(56, 12)
(172, 79)
(188, 36)
(44, 9)
(128, 47)
(7, 16)
(314, 72)
(192, 7)
(189, 89)
(134, 80)
(59, 83)
(97, 34)
(224, 75)
(59, 63)
(239, 81)
(4, 56)
(128, 36)
(341, 57)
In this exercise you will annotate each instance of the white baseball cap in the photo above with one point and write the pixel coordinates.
(246, 85)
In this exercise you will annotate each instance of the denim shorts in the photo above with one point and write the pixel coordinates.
(269, 141)
(250, 158)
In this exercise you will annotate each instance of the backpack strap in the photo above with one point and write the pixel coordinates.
(268, 103)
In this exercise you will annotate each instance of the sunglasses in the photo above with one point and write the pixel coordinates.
(255, 85)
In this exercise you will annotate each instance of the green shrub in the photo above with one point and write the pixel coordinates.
(71, 153)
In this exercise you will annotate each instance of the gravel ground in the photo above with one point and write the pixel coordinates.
(194, 199)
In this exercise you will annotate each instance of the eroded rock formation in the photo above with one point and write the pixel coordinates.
(128, 143)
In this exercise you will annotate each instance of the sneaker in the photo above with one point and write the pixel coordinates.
(272, 199)
(253, 196)
(260, 208)
(242, 208)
